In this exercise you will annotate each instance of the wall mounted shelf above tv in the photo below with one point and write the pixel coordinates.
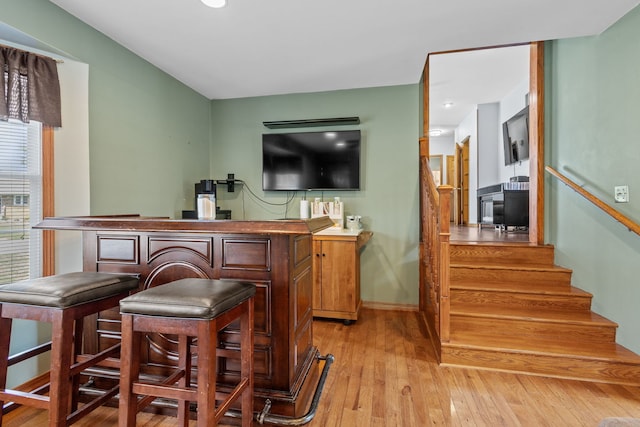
(336, 121)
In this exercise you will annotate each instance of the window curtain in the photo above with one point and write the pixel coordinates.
(30, 87)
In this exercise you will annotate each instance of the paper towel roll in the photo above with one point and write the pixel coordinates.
(304, 209)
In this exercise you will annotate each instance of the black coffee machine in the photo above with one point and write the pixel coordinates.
(205, 186)
(208, 187)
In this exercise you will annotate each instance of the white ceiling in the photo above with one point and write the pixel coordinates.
(267, 47)
(468, 78)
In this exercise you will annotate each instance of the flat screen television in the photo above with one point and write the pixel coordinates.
(328, 160)
(515, 135)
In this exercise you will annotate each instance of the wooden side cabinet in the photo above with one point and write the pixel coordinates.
(336, 273)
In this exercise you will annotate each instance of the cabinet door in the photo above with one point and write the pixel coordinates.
(338, 276)
(317, 275)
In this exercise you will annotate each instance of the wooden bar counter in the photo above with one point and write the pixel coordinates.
(275, 255)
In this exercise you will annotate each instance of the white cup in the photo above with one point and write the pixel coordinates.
(304, 209)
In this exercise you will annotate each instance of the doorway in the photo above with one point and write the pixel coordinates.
(437, 105)
(450, 168)
(461, 183)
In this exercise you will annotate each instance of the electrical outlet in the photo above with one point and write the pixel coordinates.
(621, 193)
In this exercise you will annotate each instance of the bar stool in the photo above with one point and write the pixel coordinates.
(188, 308)
(62, 300)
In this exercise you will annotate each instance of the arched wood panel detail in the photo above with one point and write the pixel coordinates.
(164, 347)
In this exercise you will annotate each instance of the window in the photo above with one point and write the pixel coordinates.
(20, 200)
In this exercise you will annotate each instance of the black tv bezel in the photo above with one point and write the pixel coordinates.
(358, 185)
(510, 157)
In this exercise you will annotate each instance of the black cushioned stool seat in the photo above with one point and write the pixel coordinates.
(189, 308)
(62, 300)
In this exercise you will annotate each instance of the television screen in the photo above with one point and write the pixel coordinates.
(328, 160)
(515, 134)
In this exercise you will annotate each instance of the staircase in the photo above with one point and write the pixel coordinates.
(513, 309)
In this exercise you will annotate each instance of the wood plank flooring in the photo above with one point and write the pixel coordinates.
(472, 233)
(385, 374)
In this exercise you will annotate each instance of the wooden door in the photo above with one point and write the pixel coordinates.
(461, 183)
(464, 181)
(338, 276)
(457, 198)
(450, 167)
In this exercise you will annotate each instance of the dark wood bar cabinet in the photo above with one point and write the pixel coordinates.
(275, 255)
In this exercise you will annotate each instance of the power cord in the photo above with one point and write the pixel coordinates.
(290, 197)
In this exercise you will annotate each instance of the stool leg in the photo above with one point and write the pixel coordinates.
(77, 350)
(5, 339)
(60, 388)
(129, 371)
(184, 363)
(246, 367)
(207, 344)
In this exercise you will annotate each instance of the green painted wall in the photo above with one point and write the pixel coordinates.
(388, 200)
(593, 124)
(149, 134)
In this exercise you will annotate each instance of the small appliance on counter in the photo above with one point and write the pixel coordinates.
(354, 222)
(205, 203)
(206, 199)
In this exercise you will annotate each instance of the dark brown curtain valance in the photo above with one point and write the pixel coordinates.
(30, 87)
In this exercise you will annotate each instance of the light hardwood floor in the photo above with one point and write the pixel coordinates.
(385, 374)
(472, 233)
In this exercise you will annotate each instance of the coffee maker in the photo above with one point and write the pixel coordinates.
(204, 202)
(206, 199)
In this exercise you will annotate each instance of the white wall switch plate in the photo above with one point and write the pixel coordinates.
(621, 193)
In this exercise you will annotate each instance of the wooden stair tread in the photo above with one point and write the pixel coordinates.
(461, 243)
(611, 352)
(505, 254)
(537, 289)
(512, 267)
(534, 314)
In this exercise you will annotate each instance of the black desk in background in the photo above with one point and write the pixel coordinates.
(505, 204)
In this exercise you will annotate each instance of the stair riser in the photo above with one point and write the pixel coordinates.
(572, 367)
(565, 332)
(521, 300)
(502, 255)
(525, 279)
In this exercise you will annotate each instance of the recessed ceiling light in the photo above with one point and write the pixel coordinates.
(435, 132)
(447, 104)
(215, 3)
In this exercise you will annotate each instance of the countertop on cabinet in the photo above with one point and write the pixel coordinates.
(334, 233)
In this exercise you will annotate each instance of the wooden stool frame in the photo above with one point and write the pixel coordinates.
(66, 346)
(206, 331)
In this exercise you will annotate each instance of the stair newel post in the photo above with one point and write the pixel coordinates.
(444, 236)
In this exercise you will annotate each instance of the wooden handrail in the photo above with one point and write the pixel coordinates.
(615, 214)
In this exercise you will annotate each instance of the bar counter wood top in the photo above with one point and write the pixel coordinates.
(140, 223)
(275, 255)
